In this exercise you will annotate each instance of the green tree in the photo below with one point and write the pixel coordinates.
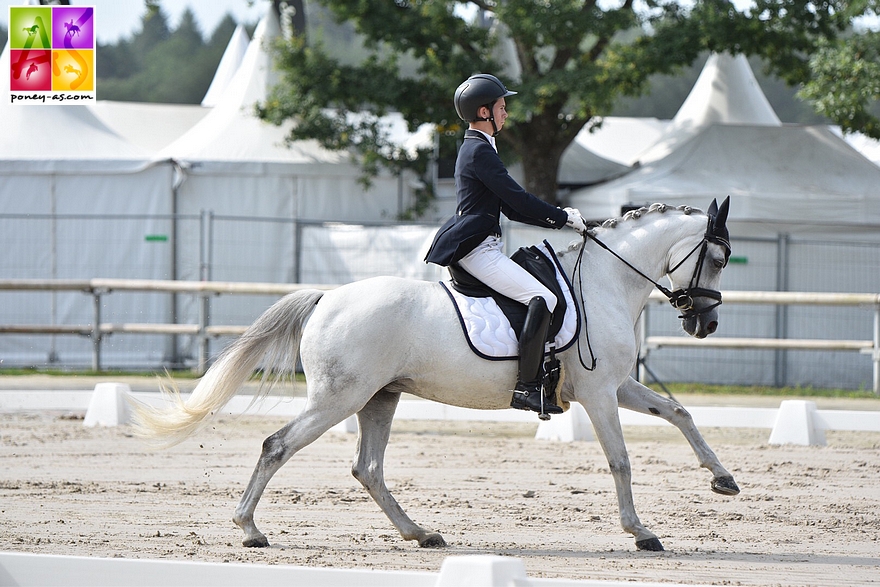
(570, 61)
(845, 85)
(159, 64)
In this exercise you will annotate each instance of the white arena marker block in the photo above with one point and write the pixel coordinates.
(109, 405)
(481, 571)
(347, 426)
(568, 427)
(796, 424)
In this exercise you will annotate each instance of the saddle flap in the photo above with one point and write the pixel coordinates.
(539, 266)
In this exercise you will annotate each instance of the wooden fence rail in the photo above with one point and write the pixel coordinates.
(206, 289)
(99, 287)
(866, 347)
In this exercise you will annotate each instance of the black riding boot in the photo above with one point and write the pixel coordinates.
(527, 395)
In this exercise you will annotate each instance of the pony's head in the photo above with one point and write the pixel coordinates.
(696, 277)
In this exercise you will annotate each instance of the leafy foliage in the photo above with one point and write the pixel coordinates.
(571, 61)
(159, 64)
(845, 85)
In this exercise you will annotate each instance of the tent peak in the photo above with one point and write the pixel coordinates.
(725, 93)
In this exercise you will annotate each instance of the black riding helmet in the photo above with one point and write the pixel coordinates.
(477, 91)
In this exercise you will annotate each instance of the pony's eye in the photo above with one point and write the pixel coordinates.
(719, 264)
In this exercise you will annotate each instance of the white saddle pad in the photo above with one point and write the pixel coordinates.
(488, 331)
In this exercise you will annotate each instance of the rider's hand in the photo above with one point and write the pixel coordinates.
(575, 220)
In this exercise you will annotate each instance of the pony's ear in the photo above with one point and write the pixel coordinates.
(713, 208)
(717, 231)
(721, 215)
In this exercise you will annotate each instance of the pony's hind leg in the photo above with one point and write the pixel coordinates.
(374, 424)
(632, 395)
(277, 450)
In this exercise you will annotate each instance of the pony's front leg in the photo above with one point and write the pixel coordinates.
(632, 395)
(374, 429)
(602, 409)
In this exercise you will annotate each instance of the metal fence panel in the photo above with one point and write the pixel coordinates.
(229, 248)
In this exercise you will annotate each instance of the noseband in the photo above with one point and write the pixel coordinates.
(683, 299)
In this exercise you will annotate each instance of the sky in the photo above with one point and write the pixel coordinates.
(116, 19)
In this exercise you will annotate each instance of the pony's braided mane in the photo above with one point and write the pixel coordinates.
(633, 215)
(636, 214)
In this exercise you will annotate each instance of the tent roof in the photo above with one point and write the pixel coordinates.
(149, 126)
(725, 93)
(59, 138)
(580, 166)
(229, 64)
(232, 133)
(788, 173)
(865, 145)
(622, 138)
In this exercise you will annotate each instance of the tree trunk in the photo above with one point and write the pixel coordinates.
(541, 169)
(541, 142)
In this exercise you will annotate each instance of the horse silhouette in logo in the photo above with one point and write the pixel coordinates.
(72, 69)
(32, 69)
(31, 31)
(71, 28)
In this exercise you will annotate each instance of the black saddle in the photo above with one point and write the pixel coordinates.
(539, 266)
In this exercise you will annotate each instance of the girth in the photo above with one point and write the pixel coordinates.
(539, 266)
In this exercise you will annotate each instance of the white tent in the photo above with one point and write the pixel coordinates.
(726, 140)
(865, 145)
(236, 163)
(726, 92)
(147, 125)
(783, 175)
(622, 138)
(60, 161)
(580, 166)
(229, 64)
(794, 189)
(154, 126)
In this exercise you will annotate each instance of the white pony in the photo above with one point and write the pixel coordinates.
(364, 343)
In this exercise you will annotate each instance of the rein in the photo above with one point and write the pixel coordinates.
(681, 299)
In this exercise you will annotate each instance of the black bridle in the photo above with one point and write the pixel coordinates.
(681, 299)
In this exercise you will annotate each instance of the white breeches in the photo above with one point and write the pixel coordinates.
(488, 263)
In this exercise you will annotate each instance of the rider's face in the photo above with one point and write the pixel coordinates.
(500, 112)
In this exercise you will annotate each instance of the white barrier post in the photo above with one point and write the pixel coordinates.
(796, 424)
(481, 571)
(568, 427)
(108, 406)
(347, 426)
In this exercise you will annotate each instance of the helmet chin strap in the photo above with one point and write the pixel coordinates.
(490, 119)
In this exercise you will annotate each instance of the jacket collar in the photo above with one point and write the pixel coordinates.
(475, 134)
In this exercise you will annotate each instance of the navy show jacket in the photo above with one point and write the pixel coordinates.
(484, 190)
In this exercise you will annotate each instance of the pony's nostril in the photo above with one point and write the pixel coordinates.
(712, 326)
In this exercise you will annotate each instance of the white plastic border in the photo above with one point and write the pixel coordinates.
(37, 570)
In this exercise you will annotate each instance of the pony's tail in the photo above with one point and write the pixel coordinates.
(273, 340)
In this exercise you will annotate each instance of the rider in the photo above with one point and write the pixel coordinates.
(472, 237)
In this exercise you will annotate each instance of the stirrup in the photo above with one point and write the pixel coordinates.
(534, 400)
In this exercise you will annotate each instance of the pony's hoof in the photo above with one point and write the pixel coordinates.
(652, 544)
(725, 485)
(256, 542)
(432, 541)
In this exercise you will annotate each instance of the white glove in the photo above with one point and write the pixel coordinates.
(575, 220)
